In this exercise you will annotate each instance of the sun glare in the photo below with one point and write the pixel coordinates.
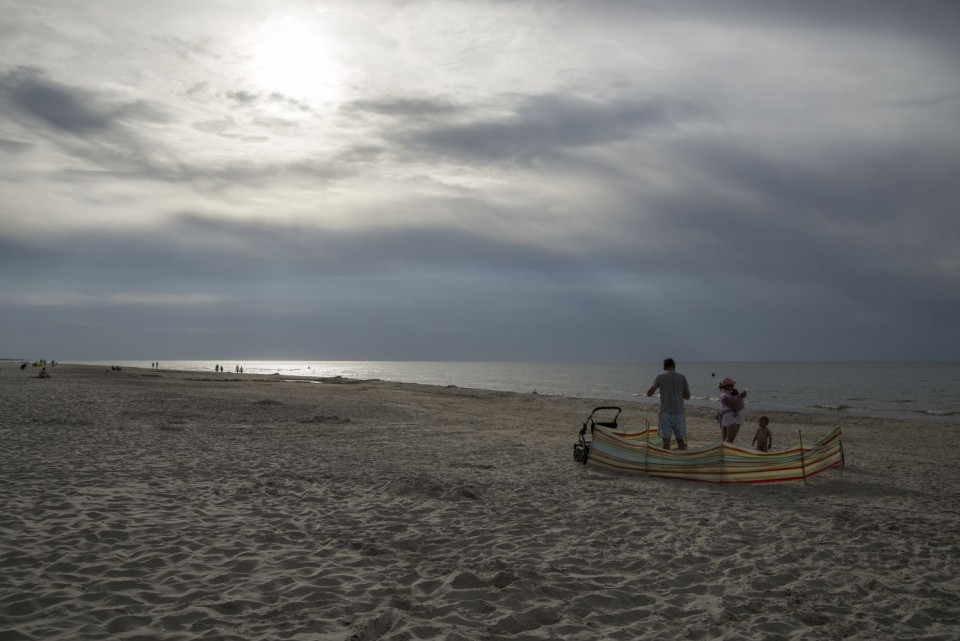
(296, 59)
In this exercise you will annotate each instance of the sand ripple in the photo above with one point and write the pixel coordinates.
(168, 508)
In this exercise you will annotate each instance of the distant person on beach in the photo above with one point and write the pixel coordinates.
(43, 373)
(763, 439)
(732, 405)
(671, 421)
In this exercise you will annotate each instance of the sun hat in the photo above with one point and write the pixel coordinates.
(727, 381)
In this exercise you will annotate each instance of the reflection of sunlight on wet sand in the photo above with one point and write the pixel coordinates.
(297, 59)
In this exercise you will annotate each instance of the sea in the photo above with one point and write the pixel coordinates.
(925, 390)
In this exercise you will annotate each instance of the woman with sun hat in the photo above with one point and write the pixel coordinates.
(732, 405)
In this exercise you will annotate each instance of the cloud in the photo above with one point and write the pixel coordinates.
(66, 109)
(199, 249)
(71, 299)
(542, 126)
(13, 146)
(405, 108)
(715, 180)
(26, 92)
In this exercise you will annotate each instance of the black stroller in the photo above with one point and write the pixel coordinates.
(581, 449)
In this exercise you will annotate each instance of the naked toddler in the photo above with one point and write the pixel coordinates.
(763, 439)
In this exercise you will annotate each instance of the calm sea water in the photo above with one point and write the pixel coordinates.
(894, 389)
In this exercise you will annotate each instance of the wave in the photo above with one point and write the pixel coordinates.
(840, 407)
(939, 412)
(712, 399)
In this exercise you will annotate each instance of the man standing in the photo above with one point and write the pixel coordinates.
(674, 390)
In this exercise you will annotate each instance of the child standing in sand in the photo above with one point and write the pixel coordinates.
(763, 439)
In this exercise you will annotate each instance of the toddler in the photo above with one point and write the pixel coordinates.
(763, 439)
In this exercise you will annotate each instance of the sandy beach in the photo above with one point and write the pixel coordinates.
(146, 504)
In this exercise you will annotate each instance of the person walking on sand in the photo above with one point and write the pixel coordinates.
(763, 439)
(671, 421)
(732, 404)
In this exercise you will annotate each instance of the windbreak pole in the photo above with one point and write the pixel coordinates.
(803, 465)
(646, 450)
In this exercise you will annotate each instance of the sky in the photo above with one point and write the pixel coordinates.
(484, 180)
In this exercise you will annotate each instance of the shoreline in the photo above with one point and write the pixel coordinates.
(840, 410)
(174, 505)
(702, 416)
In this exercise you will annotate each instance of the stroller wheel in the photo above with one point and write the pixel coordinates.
(577, 453)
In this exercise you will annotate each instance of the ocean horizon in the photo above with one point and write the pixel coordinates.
(896, 389)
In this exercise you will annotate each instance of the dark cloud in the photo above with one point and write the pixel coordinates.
(198, 248)
(66, 109)
(408, 108)
(243, 97)
(13, 146)
(924, 19)
(863, 204)
(96, 128)
(107, 135)
(447, 293)
(545, 126)
(27, 92)
(936, 21)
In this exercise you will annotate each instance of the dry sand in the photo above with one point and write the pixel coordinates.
(172, 505)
